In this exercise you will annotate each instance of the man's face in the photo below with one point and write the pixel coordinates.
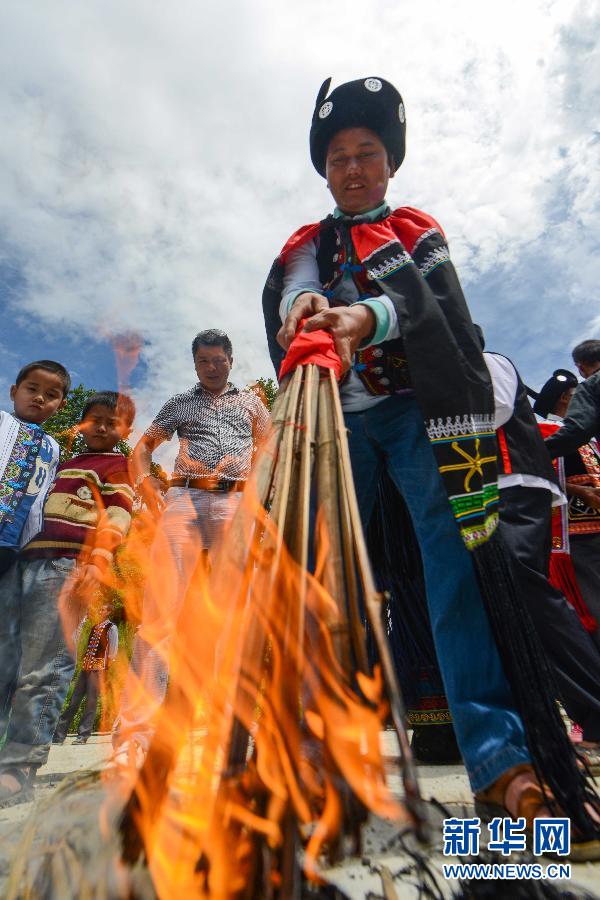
(38, 396)
(562, 404)
(357, 169)
(587, 369)
(103, 428)
(213, 366)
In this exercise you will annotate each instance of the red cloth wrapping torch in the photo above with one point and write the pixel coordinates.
(311, 347)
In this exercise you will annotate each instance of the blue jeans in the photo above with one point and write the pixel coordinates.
(35, 665)
(488, 728)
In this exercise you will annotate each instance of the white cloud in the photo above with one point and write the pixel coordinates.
(155, 157)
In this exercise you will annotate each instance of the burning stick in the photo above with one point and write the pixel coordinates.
(372, 605)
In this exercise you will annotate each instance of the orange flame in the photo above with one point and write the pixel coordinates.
(237, 654)
(265, 739)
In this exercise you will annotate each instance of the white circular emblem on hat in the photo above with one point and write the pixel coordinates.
(373, 84)
(325, 109)
(84, 492)
(401, 113)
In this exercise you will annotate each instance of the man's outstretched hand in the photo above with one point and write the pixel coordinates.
(350, 326)
(151, 492)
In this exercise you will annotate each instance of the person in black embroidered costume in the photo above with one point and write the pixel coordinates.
(579, 533)
(529, 488)
(418, 404)
(101, 645)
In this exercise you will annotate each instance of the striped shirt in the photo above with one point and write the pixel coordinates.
(217, 434)
(88, 510)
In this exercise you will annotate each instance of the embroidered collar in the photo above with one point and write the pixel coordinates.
(27, 424)
(380, 212)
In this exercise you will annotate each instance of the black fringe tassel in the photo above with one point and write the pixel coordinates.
(532, 683)
(396, 561)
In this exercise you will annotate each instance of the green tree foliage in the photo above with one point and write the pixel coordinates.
(63, 425)
(266, 388)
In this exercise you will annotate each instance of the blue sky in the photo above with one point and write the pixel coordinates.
(154, 158)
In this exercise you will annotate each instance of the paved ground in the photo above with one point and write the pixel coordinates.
(358, 878)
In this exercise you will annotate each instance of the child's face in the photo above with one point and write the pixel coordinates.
(357, 169)
(103, 428)
(38, 396)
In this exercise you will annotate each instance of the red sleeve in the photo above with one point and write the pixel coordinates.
(407, 225)
(548, 428)
(410, 224)
(304, 234)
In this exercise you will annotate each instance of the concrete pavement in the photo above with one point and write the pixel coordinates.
(382, 856)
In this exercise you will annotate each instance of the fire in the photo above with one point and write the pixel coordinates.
(127, 347)
(268, 739)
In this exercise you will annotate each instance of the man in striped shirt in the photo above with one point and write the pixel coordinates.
(218, 427)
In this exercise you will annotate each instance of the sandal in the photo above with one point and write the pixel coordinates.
(11, 795)
(518, 794)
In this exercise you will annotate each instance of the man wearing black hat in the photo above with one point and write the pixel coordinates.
(418, 403)
(528, 488)
(581, 472)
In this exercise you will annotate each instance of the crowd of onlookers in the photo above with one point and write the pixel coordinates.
(62, 522)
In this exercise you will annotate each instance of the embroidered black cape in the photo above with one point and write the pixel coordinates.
(405, 254)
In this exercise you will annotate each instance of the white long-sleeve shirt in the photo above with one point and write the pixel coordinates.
(505, 383)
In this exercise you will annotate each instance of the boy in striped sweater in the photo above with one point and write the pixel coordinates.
(86, 516)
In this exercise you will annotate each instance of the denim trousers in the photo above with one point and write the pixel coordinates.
(35, 666)
(88, 685)
(391, 436)
(193, 521)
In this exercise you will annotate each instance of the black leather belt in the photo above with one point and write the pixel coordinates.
(207, 484)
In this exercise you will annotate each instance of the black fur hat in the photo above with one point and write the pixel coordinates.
(365, 103)
(552, 390)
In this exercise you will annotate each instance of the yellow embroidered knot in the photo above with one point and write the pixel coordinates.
(473, 463)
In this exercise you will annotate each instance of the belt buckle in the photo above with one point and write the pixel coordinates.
(222, 486)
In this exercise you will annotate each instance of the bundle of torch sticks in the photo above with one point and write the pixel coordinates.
(289, 757)
(266, 756)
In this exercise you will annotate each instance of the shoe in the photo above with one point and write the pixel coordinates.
(129, 756)
(56, 740)
(518, 794)
(435, 745)
(22, 792)
(80, 739)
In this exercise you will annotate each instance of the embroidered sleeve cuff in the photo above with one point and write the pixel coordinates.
(382, 319)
